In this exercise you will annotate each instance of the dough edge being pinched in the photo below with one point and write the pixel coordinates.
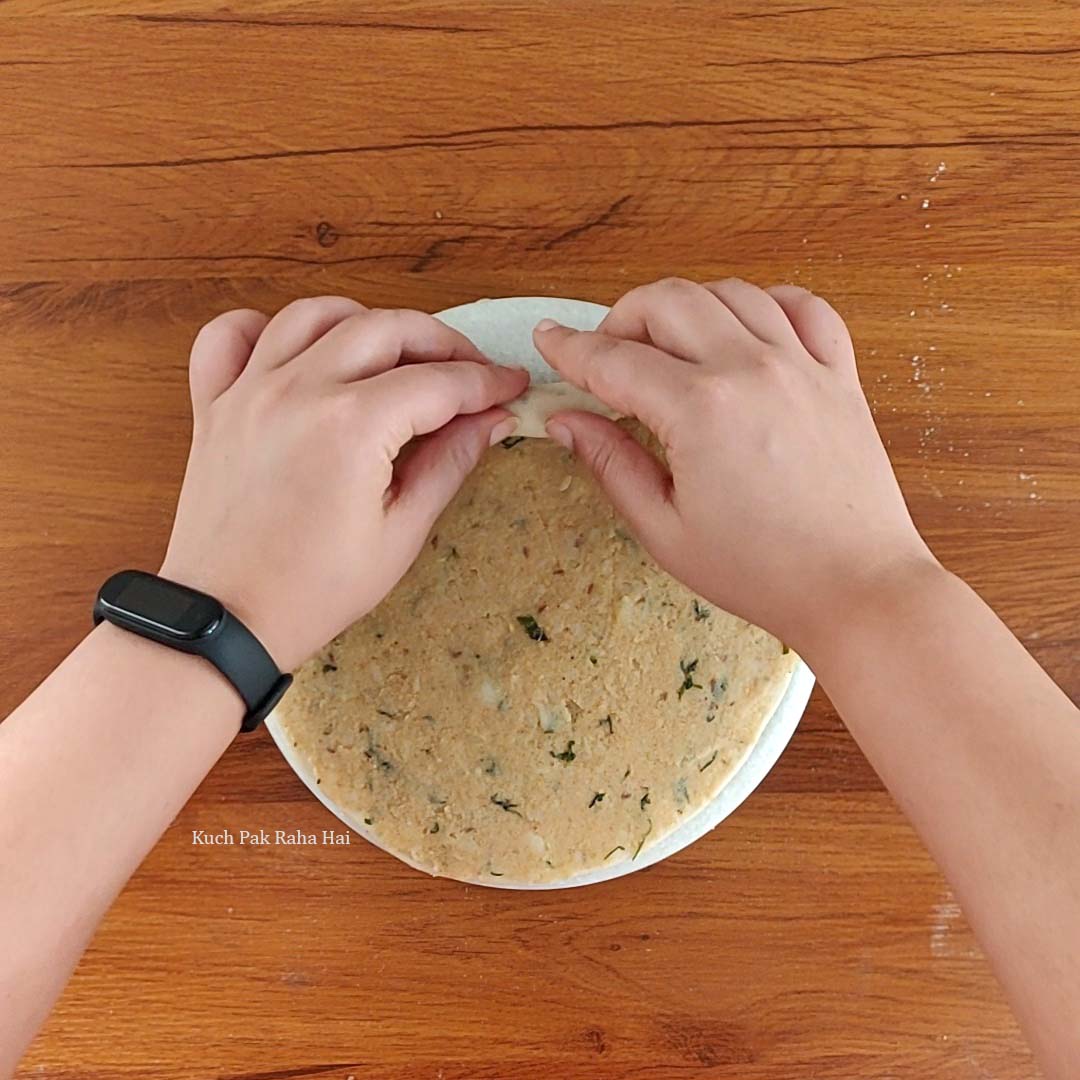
(537, 404)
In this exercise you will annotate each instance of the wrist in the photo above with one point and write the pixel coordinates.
(875, 599)
(188, 678)
(238, 602)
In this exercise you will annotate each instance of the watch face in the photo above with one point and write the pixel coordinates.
(161, 605)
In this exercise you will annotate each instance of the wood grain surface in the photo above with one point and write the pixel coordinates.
(164, 160)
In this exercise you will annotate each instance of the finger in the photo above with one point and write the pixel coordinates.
(819, 326)
(376, 341)
(755, 309)
(637, 484)
(220, 352)
(297, 326)
(680, 317)
(632, 378)
(433, 473)
(416, 399)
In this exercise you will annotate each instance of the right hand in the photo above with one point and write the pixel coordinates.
(777, 501)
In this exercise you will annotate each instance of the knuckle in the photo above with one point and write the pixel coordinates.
(788, 295)
(735, 290)
(666, 288)
(462, 455)
(711, 397)
(780, 370)
(820, 317)
(727, 283)
(598, 375)
(597, 344)
(602, 458)
(308, 309)
(391, 323)
(811, 304)
(302, 312)
(773, 359)
(304, 307)
(205, 331)
(339, 413)
(675, 284)
(450, 374)
(400, 316)
(360, 323)
(224, 317)
(582, 347)
(713, 390)
(279, 388)
(215, 326)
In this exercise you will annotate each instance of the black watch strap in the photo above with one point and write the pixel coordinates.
(193, 622)
(239, 655)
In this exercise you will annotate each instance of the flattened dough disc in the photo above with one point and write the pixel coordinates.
(536, 705)
(502, 330)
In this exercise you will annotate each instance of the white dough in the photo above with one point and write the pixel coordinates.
(542, 399)
(503, 331)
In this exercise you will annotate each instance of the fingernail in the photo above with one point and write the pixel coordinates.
(503, 430)
(545, 324)
(561, 434)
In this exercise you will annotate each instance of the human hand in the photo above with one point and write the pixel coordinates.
(778, 501)
(297, 511)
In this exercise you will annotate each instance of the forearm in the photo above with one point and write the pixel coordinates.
(94, 765)
(982, 751)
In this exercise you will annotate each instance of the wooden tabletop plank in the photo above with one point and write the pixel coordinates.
(165, 160)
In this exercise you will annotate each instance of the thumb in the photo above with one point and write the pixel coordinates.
(429, 476)
(637, 484)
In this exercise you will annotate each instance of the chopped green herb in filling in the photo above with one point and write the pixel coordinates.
(566, 755)
(532, 628)
(506, 804)
(641, 842)
(373, 753)
(688, 667)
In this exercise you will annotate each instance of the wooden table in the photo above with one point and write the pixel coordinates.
(918, 163)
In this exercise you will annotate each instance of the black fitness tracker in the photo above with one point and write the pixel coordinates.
(192, 622)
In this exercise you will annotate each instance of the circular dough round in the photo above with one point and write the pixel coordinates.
(536, 700)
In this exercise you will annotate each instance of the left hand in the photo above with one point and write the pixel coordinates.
(297, 511)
